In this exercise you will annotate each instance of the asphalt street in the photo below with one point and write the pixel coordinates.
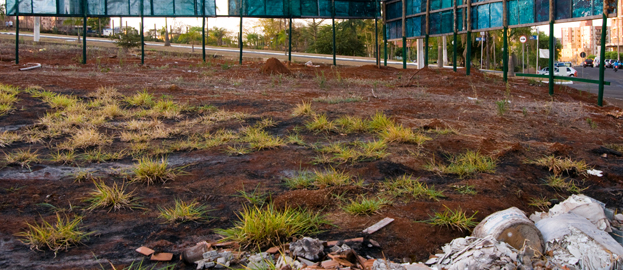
(612, 91)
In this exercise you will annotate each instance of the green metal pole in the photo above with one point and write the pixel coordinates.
(552, 51)
(426, 51)
(384, 45)
(376, 39)
(17, 32)
(454, 51)
(240, 35)
(468, 54)
(505, 55)
(602, 52)
(142, 36)
(203, 33)
(290, 42)
(84, 33)
(333, 25)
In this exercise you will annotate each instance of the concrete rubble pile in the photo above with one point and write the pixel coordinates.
(578, 233)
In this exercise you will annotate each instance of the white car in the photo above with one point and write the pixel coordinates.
(560, 71)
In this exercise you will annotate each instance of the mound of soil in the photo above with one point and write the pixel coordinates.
(274, 66)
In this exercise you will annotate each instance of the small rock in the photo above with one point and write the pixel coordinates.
(210, 255)
(308, 248)
(259, 261)
(619, 217)
(204, 264)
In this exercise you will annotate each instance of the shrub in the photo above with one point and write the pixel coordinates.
(365, 206)
(454, 219)
(183, 211)
(113, 196)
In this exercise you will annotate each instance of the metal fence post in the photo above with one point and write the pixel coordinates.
(17, 32)
(602, 52)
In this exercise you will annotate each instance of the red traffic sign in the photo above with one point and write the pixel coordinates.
(523, 39)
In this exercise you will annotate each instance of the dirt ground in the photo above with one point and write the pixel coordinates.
(429, 101)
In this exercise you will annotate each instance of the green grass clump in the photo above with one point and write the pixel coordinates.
(149, 171)
(379, 122)
(22, 157)
(63, 157)
(183, 211)
(57, 237)
(320, 123)
(259, 139)
(453, 219)
(407, 186)
(165, 108)
(397, 133)
(267, 227)
(301, 180)
(303, 109)
(58, 101)
(318, 179)
(558, 165)
(116, 197)
(8, 97)
(350, 124)
(366, 206)
(560, 183)
(466, 164)
(465, 189)
(7, 138)
(353, 152)
(255, 197)
(331, 177)
(140, 99)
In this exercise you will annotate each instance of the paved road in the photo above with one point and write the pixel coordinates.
(612, 91)
(347, 60)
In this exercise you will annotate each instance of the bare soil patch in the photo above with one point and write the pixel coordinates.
(457, 112)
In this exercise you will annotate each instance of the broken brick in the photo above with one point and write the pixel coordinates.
(273, 250)
(357, 240)
(145, 251)
(329, 264)
(331, 243)
(162, 257)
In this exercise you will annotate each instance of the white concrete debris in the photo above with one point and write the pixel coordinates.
(575, 241)
(475, 253)
(308, 248)
(287, 261)
(386, 265)
(580, 205)
(260, 261)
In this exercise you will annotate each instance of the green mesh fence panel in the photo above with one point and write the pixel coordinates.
(108, 8)
(364, 9)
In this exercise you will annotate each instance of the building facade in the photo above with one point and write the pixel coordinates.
(575, 40)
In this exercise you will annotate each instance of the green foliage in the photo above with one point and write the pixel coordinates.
(407, 186)
(558, 165)
(454, 219)
(183, 211)
(502, 106)
(113, 196)
(266, 227)
(560, 183)
(128, 38)
(255, 197)
(466, 164)
(366, 206)
(347, 38)
(149, 171)
(57, 237)
(465, 189)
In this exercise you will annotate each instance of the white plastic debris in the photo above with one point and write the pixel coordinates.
(476, 253)
(575, 241)
(310, 64)
(472, 98)
(597, 173)
(513, 227)
(580, 205)
(36, 65)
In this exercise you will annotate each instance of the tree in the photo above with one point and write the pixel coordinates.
(128, 38)
(96, 23)
(76, 21)
(193, 35)
(254, 40)
(218, 34)
(347, 40)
